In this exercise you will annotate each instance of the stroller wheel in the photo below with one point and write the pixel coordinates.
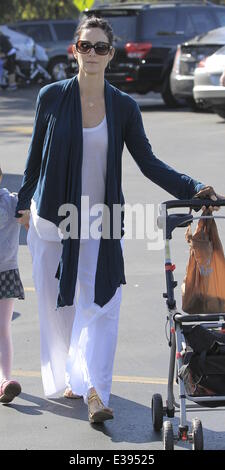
(168, 439)
(197, 435)
(157, 412)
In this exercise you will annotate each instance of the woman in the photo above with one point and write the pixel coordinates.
(80, 128)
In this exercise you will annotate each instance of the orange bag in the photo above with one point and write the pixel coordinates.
(203, 288)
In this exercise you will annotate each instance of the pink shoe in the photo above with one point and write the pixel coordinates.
(9, 389)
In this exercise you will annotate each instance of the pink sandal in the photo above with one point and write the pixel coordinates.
(9, 389)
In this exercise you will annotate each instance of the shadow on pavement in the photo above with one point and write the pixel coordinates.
(16, 315)
(132, 421)
(163, 108)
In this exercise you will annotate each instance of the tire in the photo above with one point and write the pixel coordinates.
(193, 105)
(58, 69)
(220, 112)
(168, 441)
(157, 412)
(168, 97)
(197, 435)
(142, 90)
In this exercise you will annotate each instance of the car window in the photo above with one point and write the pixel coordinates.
(124, 27)
(202, 20)
(40, 33)
(220, 16)
(64, 31)
(158, 23)
(184, 24)
(220, 51)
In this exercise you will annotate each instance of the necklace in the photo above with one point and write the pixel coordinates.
(91, 103)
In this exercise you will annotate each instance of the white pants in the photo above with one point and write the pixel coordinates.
(78, 343)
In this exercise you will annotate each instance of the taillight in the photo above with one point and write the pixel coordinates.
(69, 49)
(176, 63)
(137, 50)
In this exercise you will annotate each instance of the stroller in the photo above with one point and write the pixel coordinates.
(180, 325)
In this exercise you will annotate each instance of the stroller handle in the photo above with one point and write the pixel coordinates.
(193, 203)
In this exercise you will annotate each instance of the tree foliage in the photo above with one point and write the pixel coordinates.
(12, 10)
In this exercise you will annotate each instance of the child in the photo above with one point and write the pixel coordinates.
(10, 288)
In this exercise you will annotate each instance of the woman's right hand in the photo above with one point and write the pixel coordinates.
(24, 220)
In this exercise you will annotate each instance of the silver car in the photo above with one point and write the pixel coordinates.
(55, 36)
(25, 46)
(208, 90)
(188, 55)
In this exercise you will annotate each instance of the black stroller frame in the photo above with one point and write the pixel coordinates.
(176, 339)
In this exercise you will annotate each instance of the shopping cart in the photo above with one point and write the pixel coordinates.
(178, 322)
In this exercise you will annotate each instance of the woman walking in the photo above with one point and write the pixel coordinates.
(80, 129)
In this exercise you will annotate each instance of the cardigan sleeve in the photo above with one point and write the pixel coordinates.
(178, 184)
(33, 163)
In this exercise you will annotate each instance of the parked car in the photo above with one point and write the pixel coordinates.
(25, 44)
(208, 91)
(30, 60)
(146, 37)
(54, 36)
(188, 55)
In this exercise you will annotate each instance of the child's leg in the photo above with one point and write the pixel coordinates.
(6, 347)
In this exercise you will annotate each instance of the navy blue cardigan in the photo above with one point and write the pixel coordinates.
(53, 175)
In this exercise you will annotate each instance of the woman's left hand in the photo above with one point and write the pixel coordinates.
(209, 193)
(25, 218)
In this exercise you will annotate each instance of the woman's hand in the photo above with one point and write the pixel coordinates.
(24, 220)
(209, 193)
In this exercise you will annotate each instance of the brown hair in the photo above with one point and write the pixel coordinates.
(1, 174)
(94, 22)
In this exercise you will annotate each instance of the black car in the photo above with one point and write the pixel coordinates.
(146, 38)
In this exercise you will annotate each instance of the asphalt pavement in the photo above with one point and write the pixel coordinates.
(192, 143)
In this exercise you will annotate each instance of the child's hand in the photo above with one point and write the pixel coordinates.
(24, 220)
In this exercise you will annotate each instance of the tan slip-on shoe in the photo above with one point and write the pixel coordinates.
(69, 394)
(97, 412)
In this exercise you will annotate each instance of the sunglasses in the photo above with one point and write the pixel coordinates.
(101, 48)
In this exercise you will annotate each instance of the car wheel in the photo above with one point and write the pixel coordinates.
(193, 105)
(142, 89)
(220, 112)
(168, 97)
(58, 69)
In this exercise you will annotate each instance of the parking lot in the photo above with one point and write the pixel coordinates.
(192, 143)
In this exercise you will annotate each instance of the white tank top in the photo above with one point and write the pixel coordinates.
(95, 146)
